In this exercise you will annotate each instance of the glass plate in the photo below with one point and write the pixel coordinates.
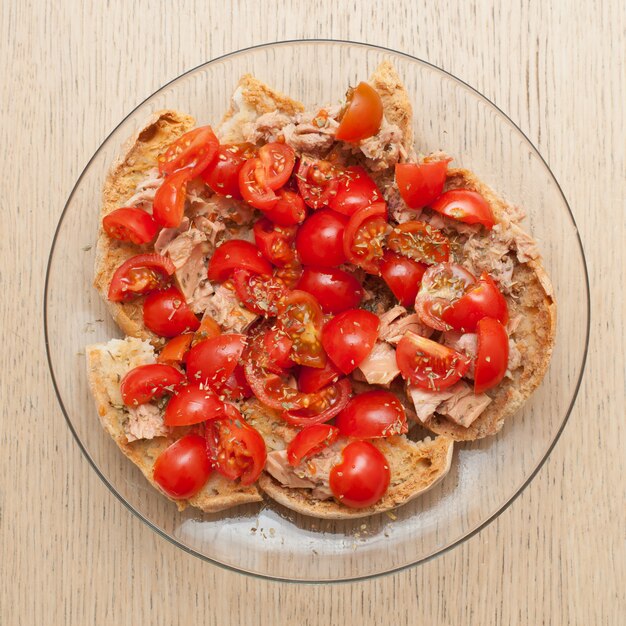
(268, 540)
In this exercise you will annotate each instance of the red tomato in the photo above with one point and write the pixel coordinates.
(192, 404)
(355, 190)
(289, 209)
(182, 469)
(312, 379)
(442, 286)
(259, 294)
(222, 176)
(317, 181)
(191, 153)
(492, 357)
(166, 313)
(363, 115)
(319, 240)
(372, 414)
(236, 254)
(428, 364)
(466, 206)
(310, 441)
(277, 346)
(253, 186)
(290, 273)
(176, 349)
(236, 386)
(419, 241)
(421, 183)
(139, 275)
(130, 224)
(168, 206)
(365, 235)
(362, 478)
(208, 329)
(324, 405)
(349, 337)
(278, 160)
(212, 361)
(333, 288)
(403, 276)
(275, 242)
(147, 382)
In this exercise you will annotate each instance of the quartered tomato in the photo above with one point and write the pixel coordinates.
(236, 254)
(322, 406)
(419, 241)
(253, 185)
(176, 349)
(278, 160)
(373, 414)
(363, 115)
(289, 209)
(130, 224)
(277, 346)
(492, 357)
(168, 206)
(317, 181)
(355, 191)
(222, 175)
(362, 478)
(260, 294)
(192, 404)
(191, 153)
(212, 361)
(148, 382)
(334, 289)
(403, 276)
(420, 184)
(349, 337)
(465, 206)
(166, 313)
(365, 236)
(183, 468)
(139, 275)
(312, 379)
(208, 328)
(319, 240)
(275, 242)
(310, 441)
(428, 364)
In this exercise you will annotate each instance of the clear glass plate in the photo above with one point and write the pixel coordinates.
(268, 540)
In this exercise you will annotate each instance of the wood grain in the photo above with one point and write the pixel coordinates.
(71, 553)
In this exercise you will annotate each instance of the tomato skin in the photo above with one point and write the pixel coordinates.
(130, 224)
(420, 184)
(317, 181)
(363, 116)
(222, 176)
(277, 345)
(334, 289)
(176, 349)
(236, 254)
(191, 153)
(362, 478)
(212, 361)
(236, 387)
(192, 404)
(312, 379)
(373, 414)
(289, 209)
(349, 337)
(365, 235)
(168, 206)
(319, 240)
(147, 382)
(403, 276)
(166, 313)
(492, 357)
(419, 241)
(183, 468)
(465, 206)
(139, 275)
(278, 160)
(208, 329)
(309, 441)
(355, 190)
(335, 398)
(253, 185)
(275, 242)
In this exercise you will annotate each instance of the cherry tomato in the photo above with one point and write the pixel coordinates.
(362, 478)
(222, 175)
(192, 404)
(208, 329)
(275, 242)
(212, 361)
(428, 364)
(191, 153)
(373, 414)
(289, 209)
(236, 386)
(310, 441)
(319, 240)
(333, 288)
(182, 469)
(349, 337)
(312, 379)
(278, 160)
(277, 346)
(166, 313)
(130, 224)
(139, 275)
(420, 184)
(317, 181)
(290, 273)
(365, 235)
(325, 404)
(363, 115)
(176, 349)
(492, 357)
(253, 185)
(403, 276)
(419, 241)
(168, 206)
(148, 382)
(260, 294)
(355, 190)
(465, 206)
(236, 254)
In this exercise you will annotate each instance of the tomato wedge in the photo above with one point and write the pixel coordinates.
(147, 382)
(312, 379)
(364, 237)
(403, 276)
(168, 206)
(289, 209)
(317, 181)
(373, 414)
(334, 289)
(420, 184)
(208, 329)
(191, 153)
(192, 404)
(278, 160)
(465, 206)
(253, 185)
(419, 241)
(492, 357)
(277, 346)
(236, 254)
(363, 115)
(176, 349)
(326, 404)
(236, 386)
(260, 294)
(130, 224)
(275, 242)
(355, 190)
(222, 175)
(212, 361)
(166, 313)
(139, 275)
(310, 441)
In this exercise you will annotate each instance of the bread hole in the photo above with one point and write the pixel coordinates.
(424, 464)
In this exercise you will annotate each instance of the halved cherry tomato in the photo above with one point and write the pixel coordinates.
(166, 313)
(191, 153)
(349, 337)
(319, 240)
(278, 160)
(275, 242)
(289, 209)
(208, 329)
(168, 206)
(182, 469)
(317, 181)
(192, 404)
(465, 206)
(442, 286)
(363, 115)
(420, 184)
(222, 175)
(212, 361)
(419, 241)
(428, 364)
(277, 346)
(253, 185)
(362, 478)
(290, 273)
(176, 349)
(492, 357)
(312, 379)
(403, 276)
(355, 190)
(365, 236)
(130, 224)
(139, 275)
(260, 294)
(333, 288)
(326, 404)
(236, 386)
(147, 382)
(236, 254)
(373, 414)
(309, 441)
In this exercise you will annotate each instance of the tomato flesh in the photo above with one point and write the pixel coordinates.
(253, 185)
(403, 276)
(317, 181)
(208, 329)
(260, 294)
(363, 115)
(319, 240)
(212, 361)
(168, 206)
(492, 356)
(372, 414)
(289, 209)
(465, 206)
(236, 254)
(355, 190)
(310, 441)
(191, 154)
(130, 224)
(275, 242)
(325, 404)
(140, 275)
(176, 349)
(278, 160)
(277, 346)
(312, 379)
(145, 383)
(166, 313)
(420, 184)
(419, 241)
(334, 289)
(365, 235)
(192, 404)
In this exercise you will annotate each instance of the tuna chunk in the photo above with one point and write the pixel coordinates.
(145, 421)
(268, 127)
(462, 342)
(380, 367)
(464, 408)
(224, 307)
(145, 190)
(384, 149)
(515, 358)
(395, 322)
(426, 402)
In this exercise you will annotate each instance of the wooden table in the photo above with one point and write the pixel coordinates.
(70, 552)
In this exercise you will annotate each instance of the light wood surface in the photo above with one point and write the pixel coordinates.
(70, 552)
